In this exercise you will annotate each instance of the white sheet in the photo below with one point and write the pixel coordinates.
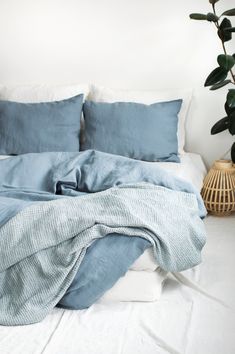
(182, 321)
(137, 286)
(191, 168)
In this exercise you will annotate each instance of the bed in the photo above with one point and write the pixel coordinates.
(191, 312)
(181, 321)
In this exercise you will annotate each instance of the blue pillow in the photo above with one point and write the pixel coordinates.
(139, 131)
(40, 127)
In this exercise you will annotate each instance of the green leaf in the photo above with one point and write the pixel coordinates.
(233, 153)
(220, 84)
(232, 123)
(196, 16)
(228, 109)
(212, 17)
(231, 98)
(229, 13)
(220, 126)
(230, 30)
(213, 1)
(225, 61)
(224, 35)
(217, 75)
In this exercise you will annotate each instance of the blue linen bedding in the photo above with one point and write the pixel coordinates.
(145, 132)
(38, 127)
(106, 260)
(37, 231)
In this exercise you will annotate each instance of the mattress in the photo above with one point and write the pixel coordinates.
(182, 321)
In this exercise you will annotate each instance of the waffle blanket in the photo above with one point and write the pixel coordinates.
(43, 244)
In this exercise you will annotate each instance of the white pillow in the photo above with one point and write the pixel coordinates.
(102, 94)
(41, 93)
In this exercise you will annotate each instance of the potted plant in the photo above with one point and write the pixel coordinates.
(223, 74)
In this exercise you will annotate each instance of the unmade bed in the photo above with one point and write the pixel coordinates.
(182, 320)
(103, 228)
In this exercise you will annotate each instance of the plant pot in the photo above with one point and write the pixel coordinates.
(218, 190)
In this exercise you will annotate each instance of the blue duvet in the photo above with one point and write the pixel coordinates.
(36, 178)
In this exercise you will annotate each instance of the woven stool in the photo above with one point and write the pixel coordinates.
(218, 190)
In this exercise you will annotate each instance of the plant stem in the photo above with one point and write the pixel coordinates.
(223, 45)
(225, 154)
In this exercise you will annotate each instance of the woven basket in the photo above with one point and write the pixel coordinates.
(218, 191)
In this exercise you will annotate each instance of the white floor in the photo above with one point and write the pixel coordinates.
(183, 321)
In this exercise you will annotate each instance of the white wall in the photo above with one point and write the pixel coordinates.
(120, 43)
